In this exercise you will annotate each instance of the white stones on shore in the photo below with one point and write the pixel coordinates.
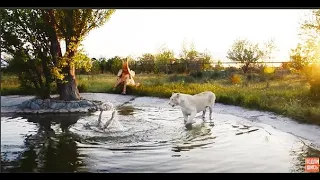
(39, 106)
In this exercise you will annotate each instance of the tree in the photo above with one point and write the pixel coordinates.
(24, 37)
(193, 60)
(245, 52)
(188, 53)
(311, 37)
(298, 60)
(206, 60)
(72, 26)
(83, 62)
(116, 64)
(162, 58)
(147, 62)
(96, 66)
(102, 64)
(269, 49)
(311, 50)
(32, 37)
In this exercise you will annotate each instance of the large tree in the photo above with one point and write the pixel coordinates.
(72, 26)
(32, 38)
(24, 38)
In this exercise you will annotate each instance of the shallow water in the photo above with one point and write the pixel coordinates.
(147, 135)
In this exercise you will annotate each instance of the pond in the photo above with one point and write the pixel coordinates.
(147, 135)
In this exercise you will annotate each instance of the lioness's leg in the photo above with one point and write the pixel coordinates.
(192, 116)
(204, 113)
(185, 116)
(210, 112)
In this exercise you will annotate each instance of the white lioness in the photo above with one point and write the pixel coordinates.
(193, 104)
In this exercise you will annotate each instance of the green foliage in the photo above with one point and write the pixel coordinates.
(193, 60)
(297, 60)
(83, 62)
(95, 66)
(188, 53)
(289, 97)
(206, 61)
(208, 75)
(31, 37)
(83, 87)
(306, 56)
(162, 62)
(73, 25)
(25, 39)
(102, 65)
(146, 63)
(162, 58)
(245, 52)
(116, 64)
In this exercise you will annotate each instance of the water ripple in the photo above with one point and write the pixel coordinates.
(147, 135)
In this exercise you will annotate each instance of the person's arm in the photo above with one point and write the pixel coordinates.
(129, 73)
(119, 73)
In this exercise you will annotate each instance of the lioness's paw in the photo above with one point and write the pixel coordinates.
(191, 122)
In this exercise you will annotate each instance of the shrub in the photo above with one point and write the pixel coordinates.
(196, 74)
(253, 77)
(235, 79)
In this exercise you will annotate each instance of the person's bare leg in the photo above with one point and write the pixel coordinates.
(124, 87)
(125, 82)
(117, 83)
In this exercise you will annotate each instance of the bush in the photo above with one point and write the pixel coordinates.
(235, 79)
(189, 79)
(253, 77)
(315, 88)
(175, 78)
(217, 74)
(206, 75)
(196, 74)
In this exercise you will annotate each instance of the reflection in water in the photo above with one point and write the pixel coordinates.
(45, 151)
(197, 136)
(126, 110)
(147, 136)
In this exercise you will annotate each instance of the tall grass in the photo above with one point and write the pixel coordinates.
(288, 96)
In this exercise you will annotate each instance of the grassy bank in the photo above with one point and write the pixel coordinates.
(288, 96)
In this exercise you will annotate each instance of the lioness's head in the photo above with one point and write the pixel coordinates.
(174, 99)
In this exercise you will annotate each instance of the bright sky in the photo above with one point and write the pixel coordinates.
(137, 31)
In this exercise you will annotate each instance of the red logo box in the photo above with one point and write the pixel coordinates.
(312, 164)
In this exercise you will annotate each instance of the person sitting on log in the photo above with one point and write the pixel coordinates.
(125, 76)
